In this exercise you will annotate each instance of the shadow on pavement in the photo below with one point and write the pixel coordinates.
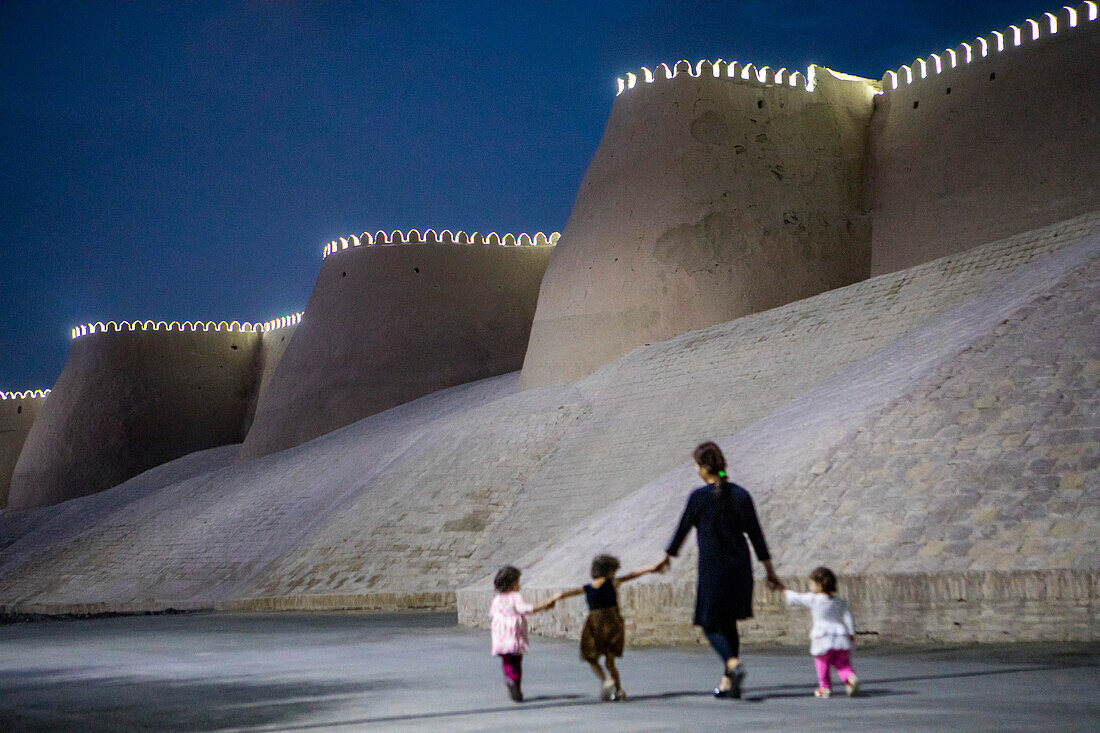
(532, 703)
(67, 699)
(72, 698)
(982, 673)
(870, 686)
(805, 692)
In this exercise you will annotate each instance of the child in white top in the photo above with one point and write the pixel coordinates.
(832, 633)
(508, 627)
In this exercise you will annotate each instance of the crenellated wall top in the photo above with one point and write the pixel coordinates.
(283, 322)
(1047, 25)
(30, 394)
(1031, 30)
(234, 326)
(414, 236)
(720, 69)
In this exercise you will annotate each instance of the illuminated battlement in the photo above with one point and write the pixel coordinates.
(1049, 24)
(414, 236)
(101, 327)
(982, 47)
(30, 394)
(720, 69)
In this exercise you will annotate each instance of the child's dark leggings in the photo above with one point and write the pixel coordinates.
(725, 641)
(513, 667)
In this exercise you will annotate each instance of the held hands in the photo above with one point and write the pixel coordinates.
(662, 566)
(547, 604)
(773, 580)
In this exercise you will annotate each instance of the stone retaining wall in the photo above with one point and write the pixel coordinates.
(443, 601)
(918, 608)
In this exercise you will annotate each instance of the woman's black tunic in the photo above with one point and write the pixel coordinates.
(721, 520)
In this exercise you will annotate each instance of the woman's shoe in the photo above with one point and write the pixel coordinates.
(514, 691)
(822, 692)
(736, 676)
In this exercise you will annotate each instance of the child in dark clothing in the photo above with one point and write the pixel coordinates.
(604, 633)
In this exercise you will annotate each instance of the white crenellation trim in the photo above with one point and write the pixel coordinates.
(238, 326)
(717, 69)
(30, 394)
(414, 236)
(284, 322)
(1049, 24)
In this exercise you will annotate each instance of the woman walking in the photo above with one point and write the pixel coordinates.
(722, 513)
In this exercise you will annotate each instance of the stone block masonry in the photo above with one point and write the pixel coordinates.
(890, 608)
(855, 473)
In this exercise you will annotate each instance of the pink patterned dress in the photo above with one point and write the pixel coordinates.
(508, 623)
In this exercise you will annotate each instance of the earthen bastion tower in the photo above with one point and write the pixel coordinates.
(880, 296)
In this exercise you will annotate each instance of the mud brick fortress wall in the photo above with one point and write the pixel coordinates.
(17, 413)
(134, 396)
(424, 315)
(730, 189)
(969, 152)
(881, 297)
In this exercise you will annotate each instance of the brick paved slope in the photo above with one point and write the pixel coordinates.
(875, 424)
(952, 476)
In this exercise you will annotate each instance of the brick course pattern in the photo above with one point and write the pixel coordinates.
(980, 481)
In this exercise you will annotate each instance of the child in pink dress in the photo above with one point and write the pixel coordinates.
(508, 627)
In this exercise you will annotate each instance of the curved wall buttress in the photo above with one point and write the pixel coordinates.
(273, 344)
(130, 400)
(17, 413)
(387, 323)
(709, 198)
(1007, 142)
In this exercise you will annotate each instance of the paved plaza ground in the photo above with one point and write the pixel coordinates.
(421, 671)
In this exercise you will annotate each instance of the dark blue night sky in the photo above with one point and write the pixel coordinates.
(187, 161)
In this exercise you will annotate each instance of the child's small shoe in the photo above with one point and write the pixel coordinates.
(607, 691)
(822, 692)
(619, 695)
(852, 685)
(514, 691)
